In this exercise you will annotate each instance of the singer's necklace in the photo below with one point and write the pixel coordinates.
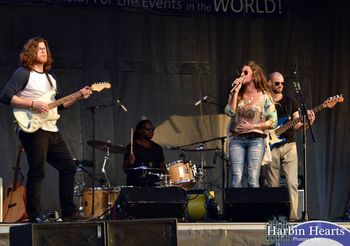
(247, 100)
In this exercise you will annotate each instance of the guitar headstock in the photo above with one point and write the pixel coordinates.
(100, 86)
(330, 102)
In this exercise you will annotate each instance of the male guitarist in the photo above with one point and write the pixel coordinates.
(284, 155)
(24, 90)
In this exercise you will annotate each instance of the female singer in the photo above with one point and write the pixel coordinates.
(252, 109)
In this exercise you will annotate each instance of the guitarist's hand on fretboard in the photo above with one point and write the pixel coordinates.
(311, 116)
(85, 92)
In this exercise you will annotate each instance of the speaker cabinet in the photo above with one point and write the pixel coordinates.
(58, 234)
(140, 203)
(142, 232)
(256, 204)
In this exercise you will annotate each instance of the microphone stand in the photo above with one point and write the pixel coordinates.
(303, 112)
(224, 177)
(222, 157)
(92, 110)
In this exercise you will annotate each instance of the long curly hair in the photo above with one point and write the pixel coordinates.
(27, 57)
(259, 78)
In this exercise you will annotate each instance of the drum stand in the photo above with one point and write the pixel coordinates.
(163, 179)
(79, 186)
(200, 171)
(105, 159)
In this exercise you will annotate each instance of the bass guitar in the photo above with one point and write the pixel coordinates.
(14, 208)
(30, 121)
(284, 124)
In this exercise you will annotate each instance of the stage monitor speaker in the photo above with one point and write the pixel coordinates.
(58, 234)
(142, 232)
(256, 204)
(140, 203)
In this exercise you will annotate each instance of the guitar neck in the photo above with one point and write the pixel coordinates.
(292, 123)
(64, 99)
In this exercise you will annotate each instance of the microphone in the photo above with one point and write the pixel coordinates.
(121, 105)
(234, 86)
(204, 99)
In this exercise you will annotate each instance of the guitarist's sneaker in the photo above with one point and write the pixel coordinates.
(49, 217)
(39, 219)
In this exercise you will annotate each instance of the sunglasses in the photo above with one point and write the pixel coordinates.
(278, 83)
(245, 72)
(151, 129)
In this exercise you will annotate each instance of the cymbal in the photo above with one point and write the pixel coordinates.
(143, 168)
(198, 149)
(104, 145)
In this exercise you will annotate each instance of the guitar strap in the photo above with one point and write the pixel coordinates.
(288, 106)
(48, 78)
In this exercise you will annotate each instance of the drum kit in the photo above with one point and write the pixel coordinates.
(98, 201)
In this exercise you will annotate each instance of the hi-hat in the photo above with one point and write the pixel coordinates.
(143, 168)
(104, 145)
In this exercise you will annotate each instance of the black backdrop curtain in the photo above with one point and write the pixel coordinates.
(160, 65)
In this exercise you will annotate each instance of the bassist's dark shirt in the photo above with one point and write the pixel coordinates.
(285, 108)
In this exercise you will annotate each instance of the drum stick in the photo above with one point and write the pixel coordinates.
(132, 141)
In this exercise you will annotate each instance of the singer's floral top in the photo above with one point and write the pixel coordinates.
(261, 111)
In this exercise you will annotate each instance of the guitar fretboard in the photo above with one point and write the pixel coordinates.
(64, 99)
(292, 123)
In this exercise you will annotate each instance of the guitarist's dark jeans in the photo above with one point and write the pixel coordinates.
(41, 147)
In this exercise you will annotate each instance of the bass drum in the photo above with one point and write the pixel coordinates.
(100, 201)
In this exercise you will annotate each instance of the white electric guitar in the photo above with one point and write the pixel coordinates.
(284, 124)
(30, 121)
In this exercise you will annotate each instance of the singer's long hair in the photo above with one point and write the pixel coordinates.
(27, 57)
(259, 79)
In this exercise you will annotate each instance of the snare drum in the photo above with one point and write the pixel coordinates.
(100, 201)
(181, 174)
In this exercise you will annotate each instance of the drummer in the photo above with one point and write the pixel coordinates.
(143, 158)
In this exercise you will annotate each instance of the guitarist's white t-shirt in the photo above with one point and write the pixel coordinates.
(36, 89)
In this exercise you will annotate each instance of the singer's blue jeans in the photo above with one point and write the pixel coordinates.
(246, 151)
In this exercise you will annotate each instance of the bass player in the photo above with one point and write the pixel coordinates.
(284, 155)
